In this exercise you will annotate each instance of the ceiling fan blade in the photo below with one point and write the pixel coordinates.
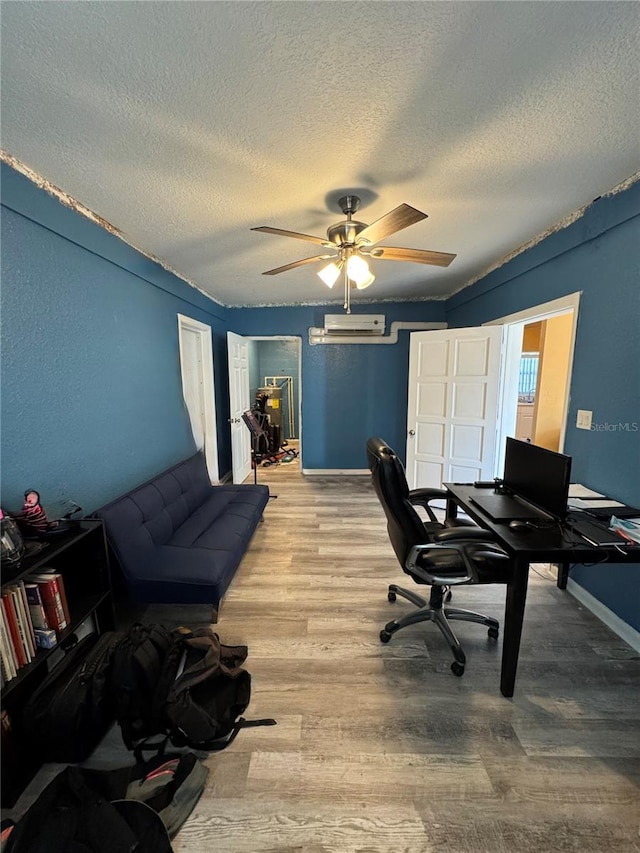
(417, 256)
(308, 237)
(298, 264)
(397, 219)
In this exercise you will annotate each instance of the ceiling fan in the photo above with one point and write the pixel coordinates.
(353, 243)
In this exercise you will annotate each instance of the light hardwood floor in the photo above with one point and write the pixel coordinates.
(380, 748)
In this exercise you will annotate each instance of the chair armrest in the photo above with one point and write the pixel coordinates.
(411, 564)
(421, 497)
(418, 495)
(454, 534)
(493, 552)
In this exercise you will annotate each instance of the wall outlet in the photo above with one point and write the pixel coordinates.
(583, 420)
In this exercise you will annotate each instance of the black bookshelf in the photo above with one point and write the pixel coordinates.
(80, 555)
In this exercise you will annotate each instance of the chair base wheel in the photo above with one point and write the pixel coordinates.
(457, 668)
(385, 636)
(493, 633)
(391, 596)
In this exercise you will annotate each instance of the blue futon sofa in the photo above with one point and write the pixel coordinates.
(177, 538)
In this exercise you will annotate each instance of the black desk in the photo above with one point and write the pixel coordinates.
(545, 545)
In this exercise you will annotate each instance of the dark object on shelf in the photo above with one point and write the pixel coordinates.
(52, 531)
(12, 544)
(70, 712)
(33, 520)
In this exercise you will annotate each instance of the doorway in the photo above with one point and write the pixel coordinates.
(196, 371)
(463, 393)
(544, 338)
(274, 369)
(543, 377)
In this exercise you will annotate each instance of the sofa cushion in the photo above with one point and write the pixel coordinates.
(180, 539)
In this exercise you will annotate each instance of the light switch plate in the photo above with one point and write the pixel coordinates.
(583, 420)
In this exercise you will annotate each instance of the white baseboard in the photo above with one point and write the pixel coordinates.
(617, 625)
(337, 472)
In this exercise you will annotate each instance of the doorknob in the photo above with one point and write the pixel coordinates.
(412, 432)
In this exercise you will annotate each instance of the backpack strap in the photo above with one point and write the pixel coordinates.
(145, 746)
(223, 742)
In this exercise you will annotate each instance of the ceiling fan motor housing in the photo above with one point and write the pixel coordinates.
(345, 233)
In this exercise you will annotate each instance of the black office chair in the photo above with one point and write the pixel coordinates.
(440, 554)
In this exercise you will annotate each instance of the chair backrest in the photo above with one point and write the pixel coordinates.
(404, 525)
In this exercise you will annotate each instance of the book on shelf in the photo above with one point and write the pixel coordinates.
(8, 660)
(26, 615)
(47, 572)
(22, 624)
(36, 607)
(14, 631)
(50, 585)
(4, 630)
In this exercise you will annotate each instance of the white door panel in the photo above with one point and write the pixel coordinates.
(196, 370)
(238, 349)
(454, 381)
(193, 385)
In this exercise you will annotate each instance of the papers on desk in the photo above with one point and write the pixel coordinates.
(626, 528)
(577, 490)
(606, 503)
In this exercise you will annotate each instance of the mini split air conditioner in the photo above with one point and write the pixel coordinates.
(354, 324)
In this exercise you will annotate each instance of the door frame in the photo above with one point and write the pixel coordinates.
(207, 376)
(515, 324)
(299, 376)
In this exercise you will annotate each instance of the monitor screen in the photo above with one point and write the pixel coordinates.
(538, 475)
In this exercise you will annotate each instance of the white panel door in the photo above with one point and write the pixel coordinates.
(196, 371)
(454, 381)
(238, 351)
(192, 384)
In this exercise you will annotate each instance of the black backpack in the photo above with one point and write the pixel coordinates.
(71, 815)
(69, 713)
(137, 669)
(183, 685)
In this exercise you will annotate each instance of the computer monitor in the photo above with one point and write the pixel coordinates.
(538, 475)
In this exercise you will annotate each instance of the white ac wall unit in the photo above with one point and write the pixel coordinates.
(354, 324)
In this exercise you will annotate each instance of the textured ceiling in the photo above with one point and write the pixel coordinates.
(184, 124)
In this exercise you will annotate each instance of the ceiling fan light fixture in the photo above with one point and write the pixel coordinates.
(362, 285)
(358, 271)
(330, 273)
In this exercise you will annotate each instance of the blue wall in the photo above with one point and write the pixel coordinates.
(349, 391)
(599, 255)
(91, 392)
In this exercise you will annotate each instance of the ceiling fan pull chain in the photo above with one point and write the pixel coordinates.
(347, 292)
